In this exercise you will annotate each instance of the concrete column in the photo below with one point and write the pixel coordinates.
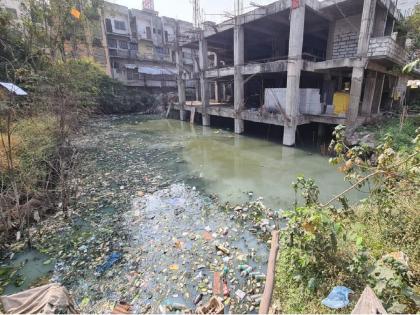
(216, 91)
(196, 68)
(358, 71)
(368, 93)
(223, 91)
(180, 83)
(330, 41)
(205, 93)
(294, 67)
(377, 96)
(239, 60)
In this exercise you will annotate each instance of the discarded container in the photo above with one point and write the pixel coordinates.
(341, 102)
(225, 271)
(257, 275)
(198, 298)
(240, 294)
(223, 249)
(176, 306)
(226, 291)
(246, 272)
(242, 267)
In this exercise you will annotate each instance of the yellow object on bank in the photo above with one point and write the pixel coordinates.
(341, 102)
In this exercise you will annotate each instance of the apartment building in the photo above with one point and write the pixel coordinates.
(137, 47)
(143, 47)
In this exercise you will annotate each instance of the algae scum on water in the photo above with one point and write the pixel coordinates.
(149, 226)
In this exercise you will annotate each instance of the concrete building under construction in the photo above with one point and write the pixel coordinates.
(294, 62)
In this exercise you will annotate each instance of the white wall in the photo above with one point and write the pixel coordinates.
(116, 12)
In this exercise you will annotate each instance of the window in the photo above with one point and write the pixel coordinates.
(154, 31)
(112, 43)
(160, 32)
(108, 25)
(12, 12)
(133, 46)
(119, 25)
(132, 74)
(166, 37)
(148, 33)
(123, 44)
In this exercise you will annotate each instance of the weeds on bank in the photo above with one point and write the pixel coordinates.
(334, 243)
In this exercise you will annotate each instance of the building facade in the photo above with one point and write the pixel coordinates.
(143, 47)
(137, 47)
(292, 63)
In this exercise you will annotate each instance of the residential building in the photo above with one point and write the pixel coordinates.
(143, 47)
(295, 62)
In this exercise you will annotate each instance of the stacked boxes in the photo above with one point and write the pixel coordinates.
(310, 101)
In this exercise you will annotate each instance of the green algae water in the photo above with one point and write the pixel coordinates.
(151, 191)
(235, 167)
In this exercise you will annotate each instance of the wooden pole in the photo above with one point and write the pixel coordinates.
(271, 269)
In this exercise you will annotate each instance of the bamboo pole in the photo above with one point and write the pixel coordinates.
(271, 268)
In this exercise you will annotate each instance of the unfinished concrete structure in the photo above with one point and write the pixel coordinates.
(292, 47)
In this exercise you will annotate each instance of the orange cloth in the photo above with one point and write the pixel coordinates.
(76, 13)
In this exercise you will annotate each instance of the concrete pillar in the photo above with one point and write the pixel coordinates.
(358, 71)
(180, 83)
(216, 91)
(223, 91)
(368, 93)
(205, 93)
(239, 60)
(196, 68)
(294, 67)
(377, 96)
(330, 40)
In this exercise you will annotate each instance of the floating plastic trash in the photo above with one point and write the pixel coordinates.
(338, 297)
(111, 260)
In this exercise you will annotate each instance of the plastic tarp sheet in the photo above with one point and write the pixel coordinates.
(156, 70)
(13, 88)
(48, 299)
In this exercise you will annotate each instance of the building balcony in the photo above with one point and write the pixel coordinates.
(387, 48)
(111, 34)
(123, 53)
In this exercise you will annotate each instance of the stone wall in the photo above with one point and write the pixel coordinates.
(346, 36)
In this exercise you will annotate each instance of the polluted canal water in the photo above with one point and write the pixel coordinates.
(149, 225)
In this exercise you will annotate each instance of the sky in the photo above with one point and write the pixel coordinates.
(182, 9)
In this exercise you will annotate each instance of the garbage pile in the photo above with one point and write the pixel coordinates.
(136, 236)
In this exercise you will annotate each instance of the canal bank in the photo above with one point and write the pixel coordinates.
(148, 221)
